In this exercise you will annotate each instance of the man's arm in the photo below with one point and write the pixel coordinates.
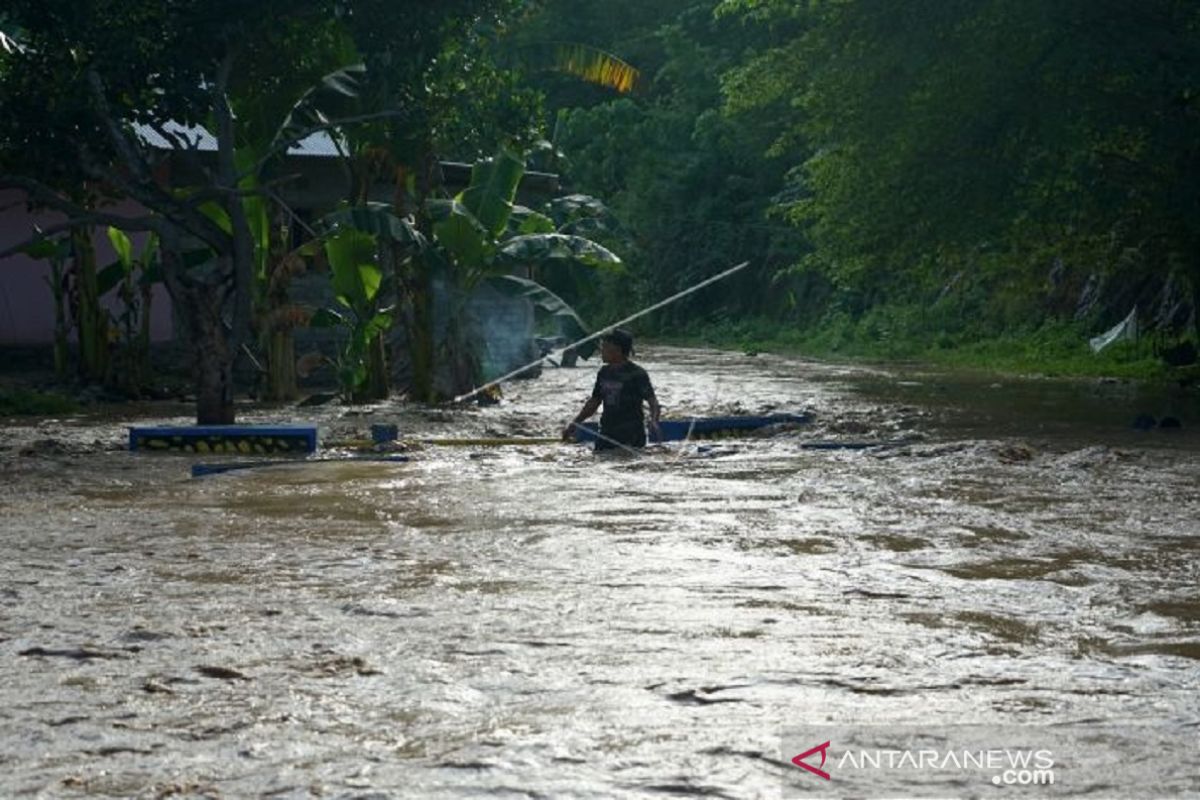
(588, 409)
(655, 410)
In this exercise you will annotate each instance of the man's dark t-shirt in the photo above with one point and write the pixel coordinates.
(622, 388)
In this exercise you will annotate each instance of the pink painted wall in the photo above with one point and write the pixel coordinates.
(26, 304)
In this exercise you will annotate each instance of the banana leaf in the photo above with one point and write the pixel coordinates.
(356, 275)
(572, 207)
(10, 45)
(586, 226)
(108, 277)
(338, 95)
(122, 246)
(589, 64)
(48, 249)
(489, 197)
(377, 324)
(328, 318)
(461, 233)
(524, 221)
(539, 247)
(377, 219)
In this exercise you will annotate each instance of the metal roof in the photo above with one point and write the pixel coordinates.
(317, 144)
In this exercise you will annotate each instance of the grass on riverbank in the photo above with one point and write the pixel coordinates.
(1052, 350)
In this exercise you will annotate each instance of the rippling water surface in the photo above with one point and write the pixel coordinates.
(539, 621)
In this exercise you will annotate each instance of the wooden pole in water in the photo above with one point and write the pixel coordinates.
(606, 329)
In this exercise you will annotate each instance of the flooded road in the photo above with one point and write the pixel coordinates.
(538, 621)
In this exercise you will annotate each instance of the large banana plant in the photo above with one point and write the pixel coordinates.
(134, 275)
(359, 286)
(482, 236)
(488, 238)
(460, 241)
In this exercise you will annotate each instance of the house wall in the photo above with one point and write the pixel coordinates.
(26, 303)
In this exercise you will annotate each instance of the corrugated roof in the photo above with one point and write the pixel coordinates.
(317, 144)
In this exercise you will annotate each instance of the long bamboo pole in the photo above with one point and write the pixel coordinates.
(606, 329)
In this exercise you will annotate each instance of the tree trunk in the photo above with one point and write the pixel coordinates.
(199, 306)
(458, 366)
(281, 366)
(214, 386)
(62, 347)
(1196, 302)
(142, 356)
(376, 387)
(214, 364)
(89, 316)
(415, 280)
(419, 322)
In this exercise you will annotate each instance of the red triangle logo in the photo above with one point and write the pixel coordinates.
(799, 760)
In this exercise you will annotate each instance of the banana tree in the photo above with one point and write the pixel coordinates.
(56, 252)
(134, 277)
(91, 321)
(359, 285)
(399, 149)
(482, 236)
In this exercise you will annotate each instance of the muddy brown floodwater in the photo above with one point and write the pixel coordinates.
(539, 621)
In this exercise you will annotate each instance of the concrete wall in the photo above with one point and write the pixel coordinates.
(507, 326)
(26, 303)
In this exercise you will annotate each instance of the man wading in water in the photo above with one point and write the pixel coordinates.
(621, 386)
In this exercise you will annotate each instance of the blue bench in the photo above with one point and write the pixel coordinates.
(225, 439)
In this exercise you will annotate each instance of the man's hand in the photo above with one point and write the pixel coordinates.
(655, 414)
(588, 409)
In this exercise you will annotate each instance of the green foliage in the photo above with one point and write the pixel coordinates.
(545, 248)
(462, 238)
(28, 403)
(377, 219)
(352, 263)
(906, 178)
(338, 95)
(897, 172)
(688, 186)
(489, 197)
(358, 283)
(56, 252)
(580, 60)
(898, 334)
(483, 234)
(933, 132)
(480, 235)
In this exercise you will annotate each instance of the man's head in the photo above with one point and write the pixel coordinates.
(616, 346)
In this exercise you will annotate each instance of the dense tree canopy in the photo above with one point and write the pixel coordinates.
(961, 125)
(910, 148)
(691, 185)
(84, 76)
